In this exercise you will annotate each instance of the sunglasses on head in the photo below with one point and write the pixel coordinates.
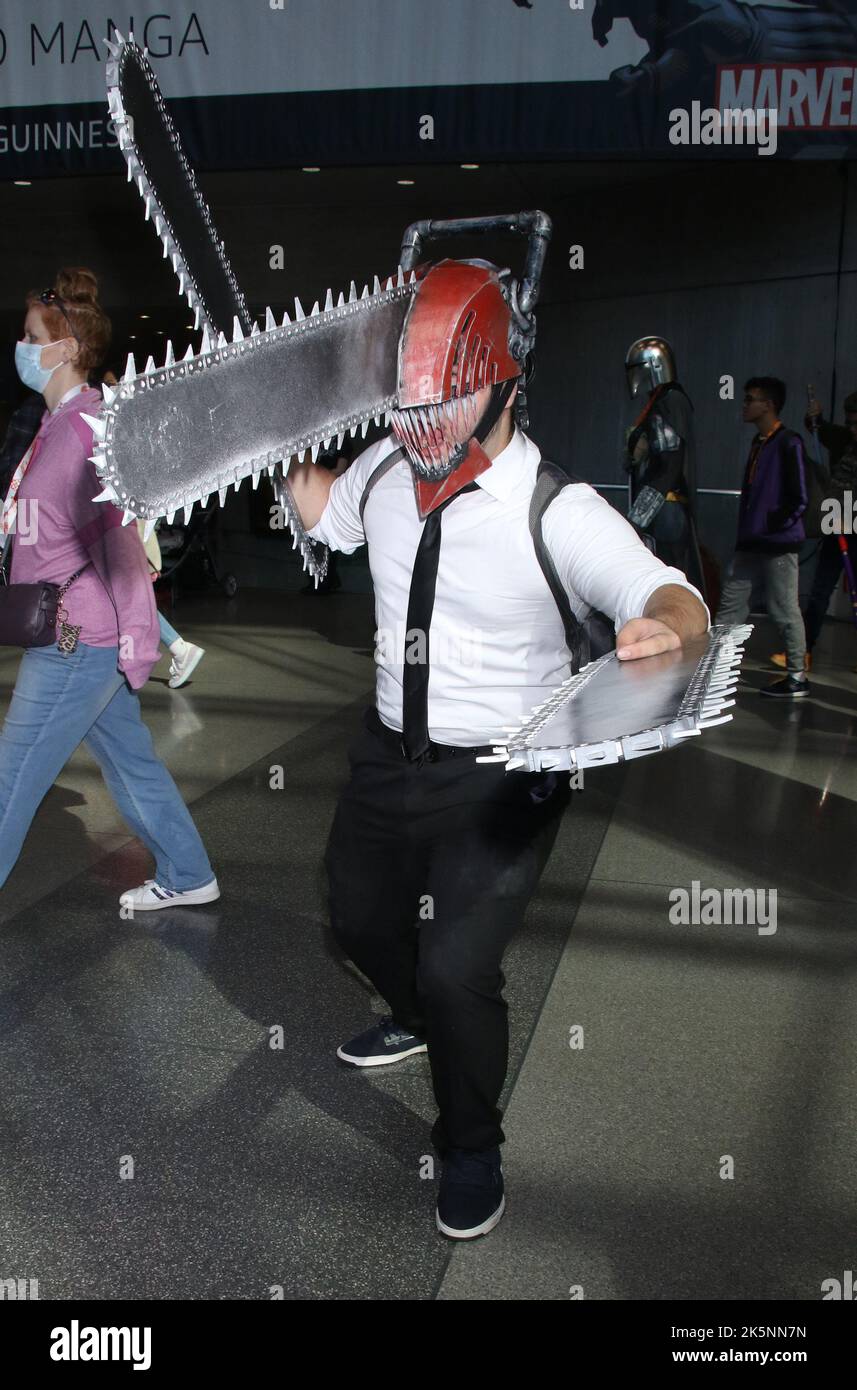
(52, 299)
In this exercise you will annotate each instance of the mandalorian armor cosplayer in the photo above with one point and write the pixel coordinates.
(660, 457)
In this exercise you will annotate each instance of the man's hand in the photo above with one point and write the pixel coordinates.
(645, 637)
(672, 615)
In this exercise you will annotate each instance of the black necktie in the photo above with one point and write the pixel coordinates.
(415, 675)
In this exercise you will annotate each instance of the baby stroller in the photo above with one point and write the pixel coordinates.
(179, 543)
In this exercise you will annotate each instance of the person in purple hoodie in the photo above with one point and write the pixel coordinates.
(771, 531)
(82, 688)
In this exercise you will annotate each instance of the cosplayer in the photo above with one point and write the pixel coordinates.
(660, 456)
(433, 855)
(453, 564)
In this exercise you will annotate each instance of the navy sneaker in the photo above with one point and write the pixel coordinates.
(791, 688)
(384, 1042)
(470, 1201)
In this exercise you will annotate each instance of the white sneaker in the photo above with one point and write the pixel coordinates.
(151, 896)
(182, 667)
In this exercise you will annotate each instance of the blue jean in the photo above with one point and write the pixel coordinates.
(60, 701)
(168, 632)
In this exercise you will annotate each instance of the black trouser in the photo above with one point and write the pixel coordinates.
(828, 573)
(431, 869)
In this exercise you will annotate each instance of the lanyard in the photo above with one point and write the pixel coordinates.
(10, 506)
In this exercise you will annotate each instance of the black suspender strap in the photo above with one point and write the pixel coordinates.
(377, 474)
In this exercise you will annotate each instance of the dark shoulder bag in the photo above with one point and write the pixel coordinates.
(29, 612)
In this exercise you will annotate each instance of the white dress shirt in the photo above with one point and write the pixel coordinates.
(497, 643)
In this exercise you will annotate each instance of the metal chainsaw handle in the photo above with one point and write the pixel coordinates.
(536, 226)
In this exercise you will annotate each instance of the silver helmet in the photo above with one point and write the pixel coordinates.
(649, 362)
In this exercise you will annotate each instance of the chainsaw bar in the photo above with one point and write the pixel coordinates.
(166, 183)
(172, 436)
(614, 711)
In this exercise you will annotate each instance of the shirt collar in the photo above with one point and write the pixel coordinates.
(69, 395)
(763, 438)
(506, 471)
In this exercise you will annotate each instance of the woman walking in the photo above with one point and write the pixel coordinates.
(81, 687)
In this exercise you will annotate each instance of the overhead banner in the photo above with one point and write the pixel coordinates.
(291, 82)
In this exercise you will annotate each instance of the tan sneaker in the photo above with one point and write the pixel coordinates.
(779, 659)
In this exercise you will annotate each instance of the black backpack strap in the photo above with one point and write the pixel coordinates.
(377, 474)
(596, 635)
(549, 483)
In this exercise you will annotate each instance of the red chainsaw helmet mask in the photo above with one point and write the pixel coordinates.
(456, 374)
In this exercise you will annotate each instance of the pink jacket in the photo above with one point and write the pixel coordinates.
(59, 528)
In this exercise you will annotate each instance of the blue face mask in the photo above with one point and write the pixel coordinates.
(28, 365)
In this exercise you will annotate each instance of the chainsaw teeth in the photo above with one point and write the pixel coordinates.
(703, 706)
(96, 424)
(122, 53)
(314, 557)
(130, 481)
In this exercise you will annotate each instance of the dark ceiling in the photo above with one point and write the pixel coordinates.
(334, 225)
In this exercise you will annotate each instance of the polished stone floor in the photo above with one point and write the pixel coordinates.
(154, 1144)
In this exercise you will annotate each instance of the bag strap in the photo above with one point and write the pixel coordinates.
(68, 583)
(550, 481)
(377, 474)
